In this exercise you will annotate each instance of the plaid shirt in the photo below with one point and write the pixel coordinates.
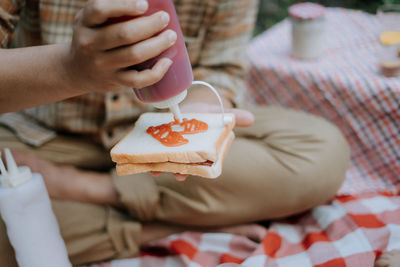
(216, 32)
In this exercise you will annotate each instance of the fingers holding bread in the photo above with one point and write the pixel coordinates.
(179, 177)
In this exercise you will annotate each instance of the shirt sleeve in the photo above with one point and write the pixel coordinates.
(9, 10)
(223, 60)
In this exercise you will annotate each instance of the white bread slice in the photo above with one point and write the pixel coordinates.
(205, 171)
(140, 147)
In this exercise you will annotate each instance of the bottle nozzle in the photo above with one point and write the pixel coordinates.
(172, 103)
(13, 176)
(11, 165)
(177, 112)
(3, 170)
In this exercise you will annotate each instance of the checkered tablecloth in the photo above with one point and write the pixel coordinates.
(351, 231)
(344, 86)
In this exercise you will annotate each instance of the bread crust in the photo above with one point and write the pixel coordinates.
(211, 172)
(176, 156)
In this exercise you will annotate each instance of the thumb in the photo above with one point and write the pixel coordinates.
(244, 118)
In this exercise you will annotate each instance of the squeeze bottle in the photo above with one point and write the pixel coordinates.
(171, 89)
(31, 225)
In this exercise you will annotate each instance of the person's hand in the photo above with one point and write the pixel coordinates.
(101, 52)
(66, 182)
(58, 186)
(179, 177)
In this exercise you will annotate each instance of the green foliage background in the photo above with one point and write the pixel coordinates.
(273, 11)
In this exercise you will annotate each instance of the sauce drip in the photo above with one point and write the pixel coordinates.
(168, 137)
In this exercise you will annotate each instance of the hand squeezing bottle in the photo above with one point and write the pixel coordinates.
(172, 88)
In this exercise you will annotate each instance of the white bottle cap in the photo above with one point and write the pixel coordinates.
(173, 104)
(14, 176)
(227, 119)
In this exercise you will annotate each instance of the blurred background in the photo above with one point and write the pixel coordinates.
(273, 11)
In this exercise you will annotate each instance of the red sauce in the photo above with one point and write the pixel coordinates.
(168, 137)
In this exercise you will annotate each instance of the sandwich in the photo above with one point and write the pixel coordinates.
(195, 146)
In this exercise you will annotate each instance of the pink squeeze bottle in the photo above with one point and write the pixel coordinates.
(171, 89)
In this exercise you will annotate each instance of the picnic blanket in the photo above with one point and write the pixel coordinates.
(351, 231)
(344, 85)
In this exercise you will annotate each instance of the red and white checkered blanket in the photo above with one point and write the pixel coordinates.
(351, 231)
(344, 86)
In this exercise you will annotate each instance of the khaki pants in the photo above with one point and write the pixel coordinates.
(286, 163)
